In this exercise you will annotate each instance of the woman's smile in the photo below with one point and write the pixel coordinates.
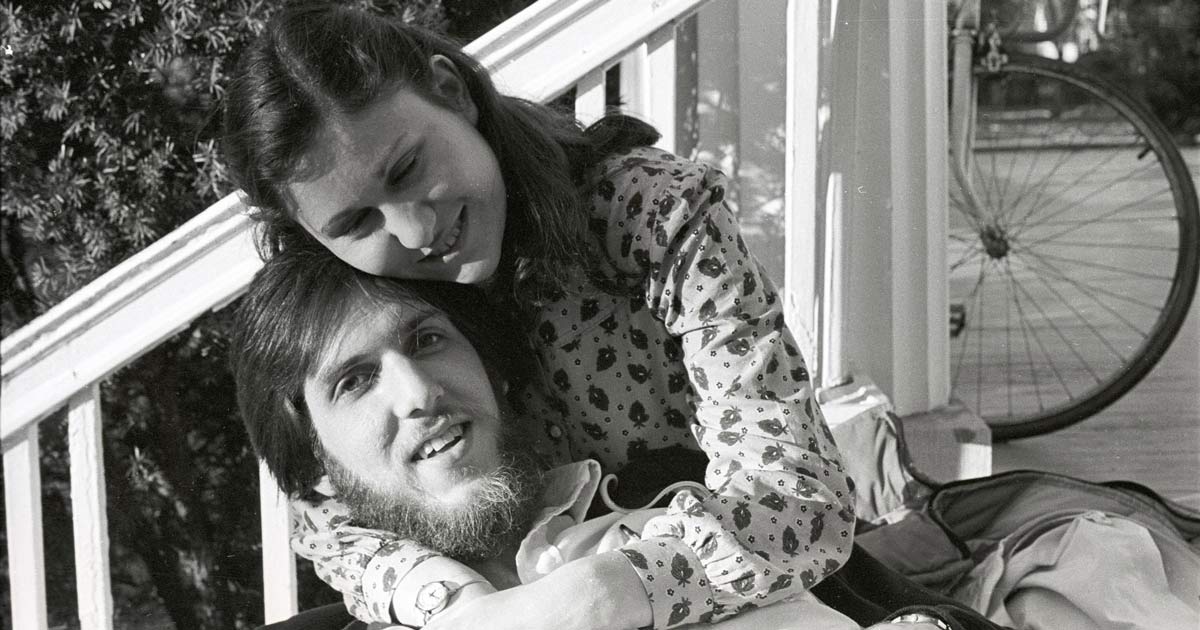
(446, 241)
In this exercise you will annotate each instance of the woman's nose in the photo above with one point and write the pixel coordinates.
(413, 224)
(414, 392)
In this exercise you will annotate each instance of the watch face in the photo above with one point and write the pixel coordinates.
(432, 597)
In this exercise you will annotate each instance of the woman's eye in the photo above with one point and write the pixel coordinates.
(354, 383)
(359, 221)
(401, 172)
(356, 225)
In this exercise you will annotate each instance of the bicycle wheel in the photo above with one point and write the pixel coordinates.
(1082, 265)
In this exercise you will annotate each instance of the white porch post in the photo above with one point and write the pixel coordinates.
(889, 147)
(858, 275)
(801, 173)
(920, 321)
(885, 312)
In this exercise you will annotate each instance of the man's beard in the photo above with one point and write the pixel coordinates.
(499, 515)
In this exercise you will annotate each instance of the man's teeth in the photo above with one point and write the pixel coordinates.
(441, 442)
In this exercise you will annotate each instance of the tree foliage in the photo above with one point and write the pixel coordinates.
(108, 120)
(1152, 47)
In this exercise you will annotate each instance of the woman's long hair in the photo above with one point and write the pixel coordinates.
(317, 61)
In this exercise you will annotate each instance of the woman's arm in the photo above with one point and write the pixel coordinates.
(598, 592)
(377, 573)
(780, 515)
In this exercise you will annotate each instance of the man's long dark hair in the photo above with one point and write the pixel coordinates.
(292, 312)
(317, 61)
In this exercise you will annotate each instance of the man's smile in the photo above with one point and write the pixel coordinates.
(441, 443)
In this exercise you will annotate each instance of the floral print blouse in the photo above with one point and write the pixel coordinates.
(699, 355)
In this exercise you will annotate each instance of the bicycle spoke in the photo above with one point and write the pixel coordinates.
(1000, 183)
(1113, 182)
(1039, 190)
(1008, 177)
(960, 206)
(971, 254)
(1079, 202)
(979, 354)
(970, 239)
(1085, 222)
(1037, 156)
(1108, 220)
(1008, 336)
(1096, 265)
(1038, 340)
(1026, 325)
(1061, 336)
(1071, 306)
(1089, 291)
(1006, 208)
(1154, 248)
(986, 189)
(1026, 332)
(967, 315)
(1038, 203)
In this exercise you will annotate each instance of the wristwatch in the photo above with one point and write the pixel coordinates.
(918, 617)
(435, 596)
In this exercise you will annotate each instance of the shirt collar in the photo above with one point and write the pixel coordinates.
(569, 490)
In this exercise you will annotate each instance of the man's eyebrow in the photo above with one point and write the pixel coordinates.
(331, 366)
(333, 227)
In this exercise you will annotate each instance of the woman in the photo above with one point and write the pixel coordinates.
(653, 325)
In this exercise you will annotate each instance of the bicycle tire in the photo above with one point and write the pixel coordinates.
(1121, 129)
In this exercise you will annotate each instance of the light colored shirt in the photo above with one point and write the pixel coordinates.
(561, 534)
(697, 356)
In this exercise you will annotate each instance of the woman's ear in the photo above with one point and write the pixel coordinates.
(450, 89)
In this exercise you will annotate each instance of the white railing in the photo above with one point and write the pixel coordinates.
(59, 359)
(857, 75)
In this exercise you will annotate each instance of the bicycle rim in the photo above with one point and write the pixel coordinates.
(1083, 268)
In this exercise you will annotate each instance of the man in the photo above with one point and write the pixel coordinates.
(390, 395)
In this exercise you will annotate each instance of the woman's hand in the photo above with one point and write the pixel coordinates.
(600, 592)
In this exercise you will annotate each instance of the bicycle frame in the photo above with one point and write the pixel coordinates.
(962, 103)
(965, 37)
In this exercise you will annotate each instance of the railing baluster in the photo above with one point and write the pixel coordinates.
(59, 358)
(279, 564)
(23, 512)
(589, 97)
(633, 71)
(88, 511)
(659, 85)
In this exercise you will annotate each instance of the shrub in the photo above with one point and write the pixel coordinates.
(107, 142)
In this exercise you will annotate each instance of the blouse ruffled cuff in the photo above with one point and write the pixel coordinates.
(736, 578)
(675, 583)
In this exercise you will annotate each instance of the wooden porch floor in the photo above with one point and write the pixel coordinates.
(1151, 435)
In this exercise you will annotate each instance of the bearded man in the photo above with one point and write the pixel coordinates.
(394, 397)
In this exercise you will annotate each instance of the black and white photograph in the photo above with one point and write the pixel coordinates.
(600, 314)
